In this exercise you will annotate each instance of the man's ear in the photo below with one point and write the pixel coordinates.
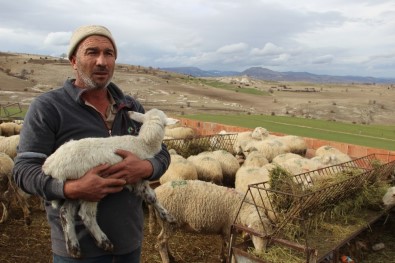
(73, 62)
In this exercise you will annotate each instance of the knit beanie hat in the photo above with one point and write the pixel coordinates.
(85, 31)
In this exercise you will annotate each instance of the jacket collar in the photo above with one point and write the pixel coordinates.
(114, 91)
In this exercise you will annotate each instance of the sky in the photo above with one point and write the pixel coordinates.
(330, 37)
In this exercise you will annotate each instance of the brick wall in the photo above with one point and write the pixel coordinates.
(354, 151)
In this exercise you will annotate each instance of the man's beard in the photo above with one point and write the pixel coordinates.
(89, 83)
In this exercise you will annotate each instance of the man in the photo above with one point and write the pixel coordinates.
(88, 106)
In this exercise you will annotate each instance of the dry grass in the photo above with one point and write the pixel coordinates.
(178, 94)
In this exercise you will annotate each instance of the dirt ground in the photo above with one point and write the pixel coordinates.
(21, 243)
(23, 77)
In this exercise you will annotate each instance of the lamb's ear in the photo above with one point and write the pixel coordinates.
(171, 121)
(136, 116)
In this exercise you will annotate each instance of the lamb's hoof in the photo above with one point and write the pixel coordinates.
(106, 245)
(171, 220)
(74, 251)
(167, 217)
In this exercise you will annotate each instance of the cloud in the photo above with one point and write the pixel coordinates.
(323, 59)
(57, 38)
(269, 49)
(233, 48)
(284, 35)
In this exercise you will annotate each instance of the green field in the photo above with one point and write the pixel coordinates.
(375, 136)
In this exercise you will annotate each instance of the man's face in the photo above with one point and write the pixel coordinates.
(94, 62)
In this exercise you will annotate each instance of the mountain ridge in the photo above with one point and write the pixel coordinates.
(267, 74)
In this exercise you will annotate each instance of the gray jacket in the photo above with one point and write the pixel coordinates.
(56, 117)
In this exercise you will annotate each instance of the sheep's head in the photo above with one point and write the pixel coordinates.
(389, 197)
(259, 133)
(152, 114)
(260, 243)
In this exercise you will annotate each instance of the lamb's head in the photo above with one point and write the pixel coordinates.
(154, 115)
(153, 129)
(389, 197)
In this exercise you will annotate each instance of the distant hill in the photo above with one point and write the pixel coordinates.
(267, 74)
(197, 72)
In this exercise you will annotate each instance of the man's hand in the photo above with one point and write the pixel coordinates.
(92, 186)
(131, 169)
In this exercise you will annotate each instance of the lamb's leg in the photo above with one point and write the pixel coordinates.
(151, 219)
(67, 212)
(144, 190)
(21, 199)
(4, 216)
(5, 200)
(88, 212)
(12, 194)
(162, 242)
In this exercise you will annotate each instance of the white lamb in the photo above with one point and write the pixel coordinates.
(207, 208)
(74, 158)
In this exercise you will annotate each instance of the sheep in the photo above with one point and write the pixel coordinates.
(296, 144)
(255, 158)
(389, 197)
(10, 128)
(179, 169)
(208, 208)
(298, 165)
(269, 147)
(243, 138)
(9, 191)
(9, 145)
(326, 149)
(332, 159)
(223, 140)
(260, 133)
(208, 168)
(181, 132)
(333, 155)
(250, 174)
(229, 165)
(67, 163)
(282, 158)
